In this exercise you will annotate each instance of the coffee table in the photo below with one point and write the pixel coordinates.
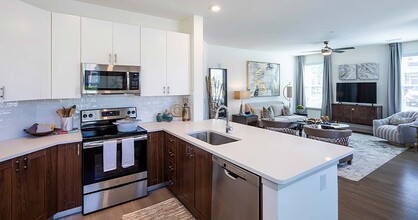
(416, 144)
(335, 126)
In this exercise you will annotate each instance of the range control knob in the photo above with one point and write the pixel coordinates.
(133, 112)
(90, 115)
(129, 112)
(84, 116)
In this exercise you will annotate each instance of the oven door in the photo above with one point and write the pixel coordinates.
(93, 161)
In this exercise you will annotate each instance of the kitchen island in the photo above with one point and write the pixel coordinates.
(299, 175)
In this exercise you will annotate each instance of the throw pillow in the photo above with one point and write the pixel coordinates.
(397, 120)
(286, 111)
(268, 112)
(277, 109)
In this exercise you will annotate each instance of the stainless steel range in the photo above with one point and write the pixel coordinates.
(103, 145)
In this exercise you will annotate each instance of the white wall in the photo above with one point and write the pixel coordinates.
(106, 13)
(410, 48)
(366, 54)
(235, 61)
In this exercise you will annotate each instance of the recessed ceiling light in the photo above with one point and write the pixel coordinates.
(215, 8)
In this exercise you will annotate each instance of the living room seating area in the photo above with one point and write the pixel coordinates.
(397, 128)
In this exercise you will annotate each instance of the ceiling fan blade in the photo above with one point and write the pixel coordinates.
(338, 51)
(344, 48)
(312, 51)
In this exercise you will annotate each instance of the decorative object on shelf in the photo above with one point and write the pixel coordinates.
(216, 83)
(347, 71)
(325, 119)
(40, 129)
(66, 115)
(159, 117)
(263, 79)
(300, 109)
(185, 113)
(288, 95)
(167, 116)
(176, 110)
(368, 71)
(242, 95)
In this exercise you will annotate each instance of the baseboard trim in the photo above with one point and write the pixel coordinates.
(157, 186)
(67, 212)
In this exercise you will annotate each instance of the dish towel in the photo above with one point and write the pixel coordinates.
(128, 152)
(109, 155)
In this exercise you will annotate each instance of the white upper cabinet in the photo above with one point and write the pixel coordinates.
(178, 63)
(66, 43)
(25, 60)
(126, 44)
(96, 41)
(153, 62)
(105, 42)
(165, 63)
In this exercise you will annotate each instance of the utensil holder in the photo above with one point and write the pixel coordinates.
(67, 124)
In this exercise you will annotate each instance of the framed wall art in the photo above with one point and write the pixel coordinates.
(263, 78)
(347, 71)
(368, 71)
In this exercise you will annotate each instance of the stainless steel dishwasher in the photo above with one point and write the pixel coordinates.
(235, 192)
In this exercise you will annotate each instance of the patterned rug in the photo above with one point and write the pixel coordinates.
(370, 153)
(168, 209)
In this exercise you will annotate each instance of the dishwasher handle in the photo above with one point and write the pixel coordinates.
(231, 174)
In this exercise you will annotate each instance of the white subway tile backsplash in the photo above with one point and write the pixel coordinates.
(15, 116)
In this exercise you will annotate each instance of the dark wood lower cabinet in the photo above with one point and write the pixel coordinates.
(155, 161)
(69, 176)
(193, 170)
(6, 190)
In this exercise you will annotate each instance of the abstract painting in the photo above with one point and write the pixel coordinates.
(368, 71)
(263, 79)
(347, 71)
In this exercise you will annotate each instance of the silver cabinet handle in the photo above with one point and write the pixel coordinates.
(3, 90)
(116, 58)
(78, 149)
(94, 144)
(110, 58)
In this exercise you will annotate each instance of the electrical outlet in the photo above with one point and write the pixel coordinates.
(322, 182)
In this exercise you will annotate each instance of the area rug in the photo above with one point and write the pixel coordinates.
(370, 153)
(168, 209)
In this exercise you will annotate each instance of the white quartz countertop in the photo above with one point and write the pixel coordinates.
(277, 157)
(20, 146)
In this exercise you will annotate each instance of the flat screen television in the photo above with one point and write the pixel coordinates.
(357, 92)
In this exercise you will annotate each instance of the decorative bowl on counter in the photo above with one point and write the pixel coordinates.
(40, 130)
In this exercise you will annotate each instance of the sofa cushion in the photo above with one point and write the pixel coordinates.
(277, 109)
(397, 120)
(388, 132)
(268, 112)
(286, 111)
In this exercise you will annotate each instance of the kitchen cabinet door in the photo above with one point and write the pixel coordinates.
(153, 62)
(126, 45)
(69, 176)
(178, 63)
(96, 41)
(6, 190)
(186, 173)
(202, 182)
(66, 43)
(155, 158)
(29, 186)
(25, 42)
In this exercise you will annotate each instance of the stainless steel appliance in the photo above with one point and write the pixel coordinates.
(110, 79)
(104, 189)
(235, 192)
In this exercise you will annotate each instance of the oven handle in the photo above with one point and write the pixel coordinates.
(94, 144)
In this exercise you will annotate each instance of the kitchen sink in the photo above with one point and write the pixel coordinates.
(212, 137)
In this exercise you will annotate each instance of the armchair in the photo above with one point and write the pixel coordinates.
(396, 128)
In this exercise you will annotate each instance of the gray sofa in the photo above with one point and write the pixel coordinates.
(256, 107)
(393, 130)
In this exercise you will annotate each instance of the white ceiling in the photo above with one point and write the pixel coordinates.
(289, 26)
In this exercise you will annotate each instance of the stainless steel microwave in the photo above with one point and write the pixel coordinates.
(110, 79)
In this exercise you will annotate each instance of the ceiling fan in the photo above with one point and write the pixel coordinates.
(326, 51)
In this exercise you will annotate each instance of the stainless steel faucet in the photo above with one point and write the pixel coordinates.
(228, 126)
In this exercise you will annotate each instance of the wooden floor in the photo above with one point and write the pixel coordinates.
(390, 192)
(118, 211)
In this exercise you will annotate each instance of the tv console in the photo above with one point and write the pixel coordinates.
(356, 113)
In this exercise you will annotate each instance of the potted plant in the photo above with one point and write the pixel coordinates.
(300, 109)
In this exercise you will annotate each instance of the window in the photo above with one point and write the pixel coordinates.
(313, 85)
(409, 83)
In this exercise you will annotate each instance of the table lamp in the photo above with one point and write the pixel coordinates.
(242, 95)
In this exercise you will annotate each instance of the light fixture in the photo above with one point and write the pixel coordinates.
(326, 51)
(215, 8)
(289, 93)
(242, 95)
